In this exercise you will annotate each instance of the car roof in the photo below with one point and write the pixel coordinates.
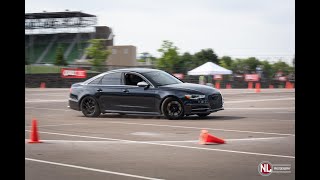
(138, 70)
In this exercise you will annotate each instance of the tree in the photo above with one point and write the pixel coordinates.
(282, 66)
(226, 62)
(245, 66)
(185, 61)
(238, 66)
(205, 55)
(147, 57)
(60, 61)
(97, 52)
(251, 63)
(169, 60)
(267, 69)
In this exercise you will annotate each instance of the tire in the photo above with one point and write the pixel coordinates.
(203, 115)
(90, 107)
(172, 108)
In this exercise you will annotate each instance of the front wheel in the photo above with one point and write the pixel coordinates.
(172, 108)
(90, 107)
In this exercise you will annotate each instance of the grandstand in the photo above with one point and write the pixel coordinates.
(71, 30)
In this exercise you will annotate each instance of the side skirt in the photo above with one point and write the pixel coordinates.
(132, 112)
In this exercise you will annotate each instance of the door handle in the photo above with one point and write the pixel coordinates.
(99, 90)
(125, 90)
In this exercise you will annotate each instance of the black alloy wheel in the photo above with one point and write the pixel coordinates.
(172, 108)
(90, 107)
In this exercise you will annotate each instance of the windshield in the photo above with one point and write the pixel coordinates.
(161, 78)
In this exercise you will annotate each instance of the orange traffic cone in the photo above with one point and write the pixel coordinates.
(258, 87)
(271, 86)
(34, 137)
(291, 85)
(228, 86)
(42, 85)
(249, 85)
(217, 85)
(206, 138)
(287, 85)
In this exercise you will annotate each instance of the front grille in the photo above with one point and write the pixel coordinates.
(215, 101)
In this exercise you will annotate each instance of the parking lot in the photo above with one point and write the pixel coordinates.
(257, 127)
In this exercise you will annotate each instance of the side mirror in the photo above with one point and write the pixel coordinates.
(143, 84)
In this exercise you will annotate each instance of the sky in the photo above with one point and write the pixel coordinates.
(238, 28)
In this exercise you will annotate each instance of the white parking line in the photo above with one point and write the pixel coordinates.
(230, 98)
(280, 108)
(60, 125)
(284, 120)
(49, 94)
(188, 127)
(258, 100)
(46, 89)
(49, 109)
(171, 145)
(45, 93)
(46, 100)
(253, 92)
(255, 139)
(113, 141)
(182, 141)
(91, 169)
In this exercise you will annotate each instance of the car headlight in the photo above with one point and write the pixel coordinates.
(194, 96)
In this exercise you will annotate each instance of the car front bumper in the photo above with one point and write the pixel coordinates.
(212, 103)
(200, 109)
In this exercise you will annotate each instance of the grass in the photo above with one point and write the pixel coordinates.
(41, 69)
(31, 69)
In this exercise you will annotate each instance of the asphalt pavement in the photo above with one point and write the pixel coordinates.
(257, 127)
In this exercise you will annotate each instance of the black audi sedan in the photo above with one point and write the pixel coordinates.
(143, 91)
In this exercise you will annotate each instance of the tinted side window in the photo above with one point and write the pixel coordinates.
(111, 79)
(132, 79)
(96, 81)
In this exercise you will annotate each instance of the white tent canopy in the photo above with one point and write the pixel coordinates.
(209, 68)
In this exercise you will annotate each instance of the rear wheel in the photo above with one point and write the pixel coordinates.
(203, 115)
(90, 107)
(172, 108)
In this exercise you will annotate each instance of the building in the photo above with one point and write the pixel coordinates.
(122, 56)
(70, 30)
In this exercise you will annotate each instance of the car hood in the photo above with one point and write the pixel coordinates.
(193, 87)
